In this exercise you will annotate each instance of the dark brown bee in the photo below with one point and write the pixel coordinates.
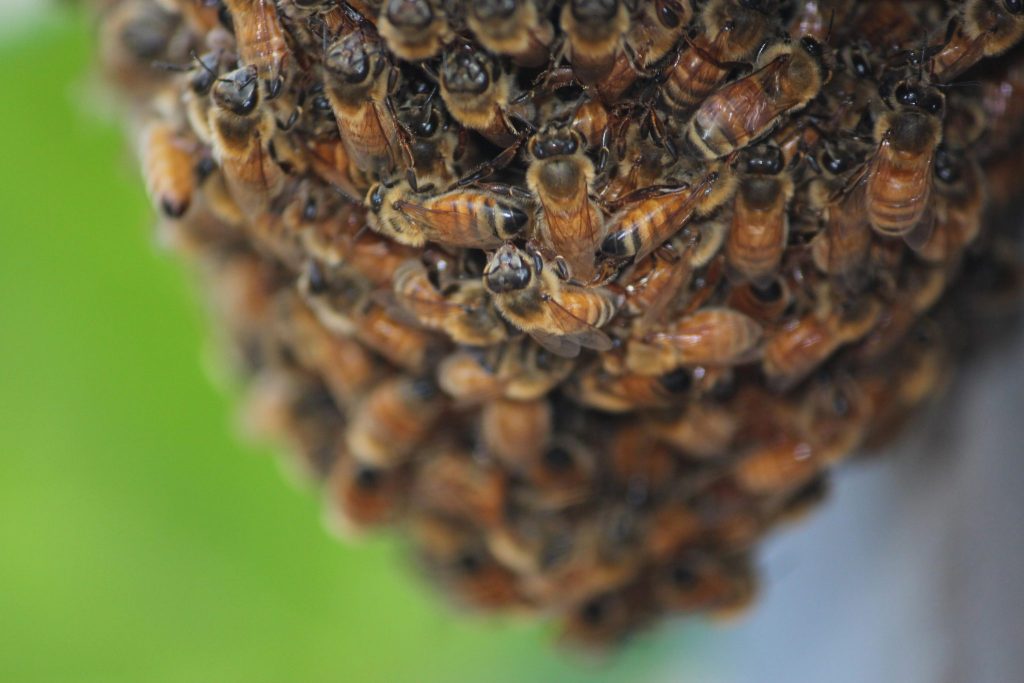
(560, 316)
(787, 78)
(393, 419)
(899, 175)
(760, 220)
(168, 167)
(982, 28)
(515, 28)
(261, 41)
(595, 31)
(413, 29)
(732, 30)
(560, 175)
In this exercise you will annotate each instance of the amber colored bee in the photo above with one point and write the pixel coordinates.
(732, 30)
(959, 206)
(899, 174)
(561, 176)
(560, 316)
(606, 620)
(360, 496)
(168, 167)
(515, 28)
(462, 309)
(435, 147)
(738, 114)
(628, 392)
(516, 433)
(134, 35)
(595, 31)
(641, 466)
(242, 131)
(358, 84)
(453, 483)
(704, 430)
(766, 304)
(802, 344)
(519, 370)
(817, 18)
(702, 581)
(394, 418)
(656, 29)
(760, 220)
(655, 284)
(711, 336)
(564, 474)
(413, 29)
(197, 97)
(982, 28)
(479, 94)
(261, 41)
(464, 217)
(651, 216)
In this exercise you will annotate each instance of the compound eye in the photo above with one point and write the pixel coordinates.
(906, 95)
(933, 104)
(1014, 6)
(812, 47)
(860, 66)
(667, 14)
(377, 199)
(834, 165)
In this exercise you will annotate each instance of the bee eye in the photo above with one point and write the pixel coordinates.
(409, 13)
(907, 95)
(933, 104)
(683, 577)
(835, 165)
(321, 104)
(860, 66)
(812, 47)
(1014, 6)
(558, 459)
(677, 382)
(376, 199)
(368, 478)
(667, 15)
(946, 167)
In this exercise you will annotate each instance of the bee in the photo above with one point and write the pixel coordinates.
(595, 32)
(766, 304)
(651, 216)
(760, 220)
(358, 84)
(168, 167)
(899, 174)
(435, 149)
(711, 336)
(698, 580)
(565, 474)
(703, 431)
(413, 29)
(453, 483)
(628, 392)
(656, 284)
(197, 97)
(515, 28)
(361, 497)
(656, 29)
(133, 35)
(815, 18)
(518, 370)
(392, 420)
(640, 466)
(463, 217)
(560, 316)
(516, 433)
(738, 114)
(733, 29)
(242, 131)
(607, 619)
(803, 344)
(261, 41)
(561, 176)
(982, 28)
(959, 206)
(479, 94)
(462, 309)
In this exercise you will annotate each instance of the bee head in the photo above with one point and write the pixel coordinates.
(509, 270)
(237, 92)
(487, 10)
(594, 12)
(349, 59)
(466, 70)
(764, 160)
(555, 142)
(409, 14)
(1015, 7)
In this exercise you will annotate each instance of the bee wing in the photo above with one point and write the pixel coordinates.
(424, 216)
(579, 331)
(560, 346)
(678, 273)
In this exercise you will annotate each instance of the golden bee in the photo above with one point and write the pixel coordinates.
(361, 497)
(461, 309)
(516, 433)
(899, 174)
(202, 76)
(786, 79)
(561, 176)
(700, 581)
(392, 420)
(733, 29)
(656, 284)
(479, 94)
(711, 336)
(518, 370)
(703, 431)
(414, 29)
(435, 148)
(454, 483)
(595, 32)
(261, 41)
(168, 167)
(981, 28)
(959, 207)
(358, 85)
(760, 219)
(559, 315)
(629, 392)
(464, 217)
(515, 28)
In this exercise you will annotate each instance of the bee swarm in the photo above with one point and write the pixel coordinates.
(584, 298)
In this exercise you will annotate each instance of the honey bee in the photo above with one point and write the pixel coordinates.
(453, 483)
(561, 176)
(959, 206)
(261, 42)
(518, 370)
(413, 29)
(760, 222)
(479, 94)
(463, 217)
(242, 131)
(656, 29)
(899, 174)
(560, 316)
(711, 336)
(392, 420)
(628, 392)
(703, 431)
(197, 97)
(733, 29)
(640, 466)
(699, 580)
(655, 284)
(358, 85)
(402, 345)
(766, 303)
(168, 167)
(134, 35)
(564, 475)
(435, 149)
(607, 619)
(516, 433)
(462, 309)
(738, 114)
(595, 32)
(515, 28)
(982, 28)
(651, 216)
(802, 344)
(361, 497)
(815, 18)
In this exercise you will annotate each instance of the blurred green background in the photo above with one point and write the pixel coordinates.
(140, 540)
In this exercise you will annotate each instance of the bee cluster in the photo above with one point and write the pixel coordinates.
(583, 297)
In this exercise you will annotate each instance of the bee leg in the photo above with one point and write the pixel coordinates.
(491, 167)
